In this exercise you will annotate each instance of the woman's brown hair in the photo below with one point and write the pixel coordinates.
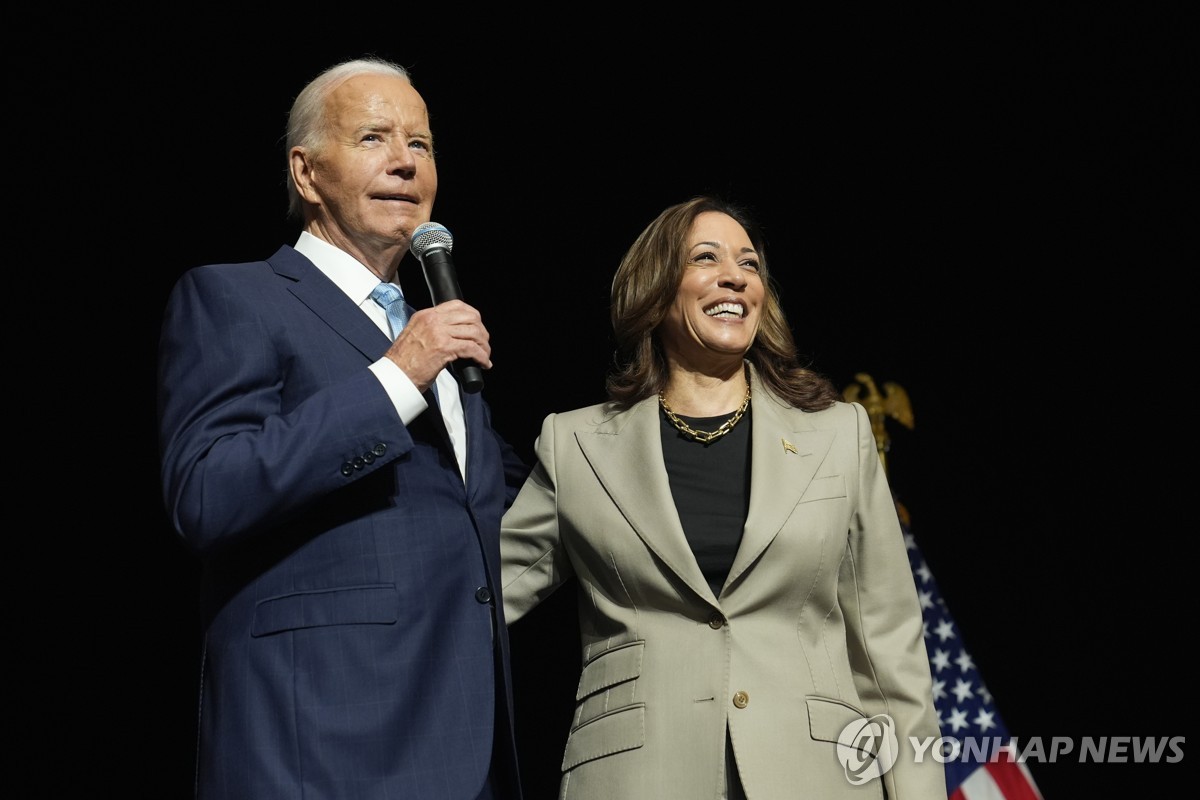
(645, 286)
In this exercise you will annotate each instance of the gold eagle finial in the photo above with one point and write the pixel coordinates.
(879, 407)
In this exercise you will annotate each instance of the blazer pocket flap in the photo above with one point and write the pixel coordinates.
(620, 664)
(614, 732)
(828, 718)
(824, 489)
(353, 605)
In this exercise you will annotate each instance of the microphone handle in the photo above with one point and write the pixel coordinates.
(469, 375)
(443, 285)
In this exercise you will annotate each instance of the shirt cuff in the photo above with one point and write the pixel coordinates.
(403, 392)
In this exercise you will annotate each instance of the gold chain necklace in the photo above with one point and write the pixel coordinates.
(704, 437)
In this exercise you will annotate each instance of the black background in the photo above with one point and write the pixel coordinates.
(990, 212)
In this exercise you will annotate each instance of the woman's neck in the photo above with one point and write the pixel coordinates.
(706, 394)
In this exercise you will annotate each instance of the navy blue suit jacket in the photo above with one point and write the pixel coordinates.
(354, 639)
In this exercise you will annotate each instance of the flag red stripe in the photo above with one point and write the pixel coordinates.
(1011, 780)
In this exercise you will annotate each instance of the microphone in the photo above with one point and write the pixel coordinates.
(431, 244)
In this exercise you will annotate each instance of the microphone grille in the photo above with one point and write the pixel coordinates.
(430, 234)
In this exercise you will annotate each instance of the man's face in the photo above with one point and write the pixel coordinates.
(373, 177)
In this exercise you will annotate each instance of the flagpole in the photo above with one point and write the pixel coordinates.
(965, 707)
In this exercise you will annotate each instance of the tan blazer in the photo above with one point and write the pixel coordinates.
(817, 626)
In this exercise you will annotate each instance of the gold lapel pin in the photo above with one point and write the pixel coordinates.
(788, 447)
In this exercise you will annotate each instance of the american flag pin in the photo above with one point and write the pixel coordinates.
(788, 447)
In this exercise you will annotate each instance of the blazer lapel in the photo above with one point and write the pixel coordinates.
(625, 453)
(785, 454)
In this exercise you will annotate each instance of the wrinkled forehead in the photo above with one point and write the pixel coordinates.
(384, 97)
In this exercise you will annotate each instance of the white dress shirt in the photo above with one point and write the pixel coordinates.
(357, 281)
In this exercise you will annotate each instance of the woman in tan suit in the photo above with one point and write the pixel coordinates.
(750, 625)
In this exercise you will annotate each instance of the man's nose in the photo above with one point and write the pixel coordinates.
(402, 160)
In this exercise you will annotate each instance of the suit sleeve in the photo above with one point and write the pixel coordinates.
(533, 560)
(244, 443)
(885, 631)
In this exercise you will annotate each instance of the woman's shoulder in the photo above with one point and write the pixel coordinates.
(842, 416)
(588, 417)
(841, 411)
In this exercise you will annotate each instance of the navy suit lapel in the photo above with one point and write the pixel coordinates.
(310, 286)
(434, 413)
(473, 419)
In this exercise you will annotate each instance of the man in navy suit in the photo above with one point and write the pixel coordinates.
(343, 495)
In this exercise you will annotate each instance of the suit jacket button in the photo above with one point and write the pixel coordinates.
(368, 457)
(715, 622)
(359, 463)
(741, 699)
(379, 449)
(347, 469)
(483, 594)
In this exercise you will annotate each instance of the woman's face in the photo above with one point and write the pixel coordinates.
(717, 309)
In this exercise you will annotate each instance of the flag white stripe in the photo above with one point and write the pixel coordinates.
(980, 786)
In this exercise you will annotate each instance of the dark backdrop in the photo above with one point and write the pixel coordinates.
(983, 214)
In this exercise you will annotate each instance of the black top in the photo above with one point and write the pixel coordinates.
(711, 487)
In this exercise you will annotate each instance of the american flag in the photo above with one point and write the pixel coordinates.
(966, 709)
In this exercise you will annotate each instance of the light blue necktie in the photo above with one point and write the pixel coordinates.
(392, 300)
(388, 296)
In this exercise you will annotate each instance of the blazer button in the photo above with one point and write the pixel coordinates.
(368, 457)
(359, 463)
(347, 469)
(715, 622)
(379, 450)
(741, 699)
(483, 594)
